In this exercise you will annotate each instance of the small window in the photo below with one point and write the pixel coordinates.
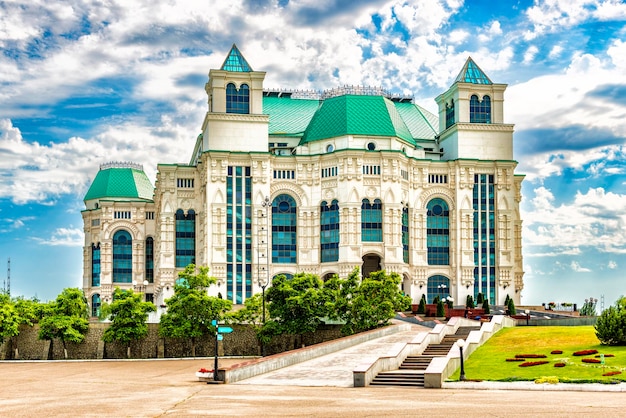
(150, 215)
(371, 146)
(330, 148)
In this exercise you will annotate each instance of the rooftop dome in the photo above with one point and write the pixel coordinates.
(356, 115)
(123, 181)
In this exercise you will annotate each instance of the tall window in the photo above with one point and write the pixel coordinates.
(237, 101)
(329, 231)
(238, 234)
(438, 285)
(95, 305)
(150, 260)
(484, 237)
(95, 265)
(371, 221)
(185, 238)
(480, 110)
(450, 114)
(438, 232)
(122, 257)
(284, 229)
(405, 235)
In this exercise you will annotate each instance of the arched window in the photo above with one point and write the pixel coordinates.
(95, 305)
(185, 238)
(450, 114)
(480, 110)
(237, 101)
(329, 231)
(371, 221)
(405, 234)
(150, 260)
(122, 257)
(95, 265)
(288, 276)
(438, 285)
(284, 229)
(438, 232)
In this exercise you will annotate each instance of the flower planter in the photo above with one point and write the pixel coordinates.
(204, 376)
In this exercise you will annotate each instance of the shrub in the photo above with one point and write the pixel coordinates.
(548, 379)
(556, 352)
(606, 355)
(421, 309)
(585, 352)
(515, 359)
(590, 360)
(441, 310)
(611, 325)
(530, 356)
(559, 364)
(613, 373)
(533, 363)
(511, 307)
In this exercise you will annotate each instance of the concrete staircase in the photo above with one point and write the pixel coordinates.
(411, 371)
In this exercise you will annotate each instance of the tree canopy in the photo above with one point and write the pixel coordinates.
(128, 314)
(190, 310)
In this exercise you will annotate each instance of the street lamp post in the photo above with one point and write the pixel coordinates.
(441, 290)
(527, 316)
(461, 343)
(263, 264)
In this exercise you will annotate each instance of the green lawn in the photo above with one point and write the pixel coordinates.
(489, 361)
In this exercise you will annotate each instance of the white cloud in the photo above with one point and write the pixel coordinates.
(575, 266)
(594, 219)
(530, 53)
(68, 237)
(612, 265)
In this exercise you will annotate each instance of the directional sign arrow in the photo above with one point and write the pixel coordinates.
(220, 337)
(224, 330)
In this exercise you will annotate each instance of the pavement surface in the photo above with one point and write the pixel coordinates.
(317, 388)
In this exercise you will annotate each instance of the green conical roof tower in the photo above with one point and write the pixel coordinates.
(121, 181)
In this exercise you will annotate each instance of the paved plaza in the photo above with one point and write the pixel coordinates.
(169, 388)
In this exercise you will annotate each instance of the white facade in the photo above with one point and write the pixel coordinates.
(268, 201)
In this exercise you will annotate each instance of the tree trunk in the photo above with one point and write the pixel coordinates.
(193, 346)
(128, 351)
(64, 350)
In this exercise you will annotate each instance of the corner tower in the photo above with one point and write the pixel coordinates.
(471, 118)
(235, 119)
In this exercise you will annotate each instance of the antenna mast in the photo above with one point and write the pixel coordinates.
(9, 277)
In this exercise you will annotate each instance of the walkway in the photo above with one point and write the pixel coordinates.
(334, 369)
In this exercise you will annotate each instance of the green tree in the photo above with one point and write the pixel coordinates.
(441, 309)
(506, 301)
(486, 306)
(9, 318)
(296, 306)
(374, 302)
(480, 298)
(66, 319)
(611, 324)
(511, 307)
(421, 309)
(589, 307)
(128, 314)
(469, 302)
(190, 310)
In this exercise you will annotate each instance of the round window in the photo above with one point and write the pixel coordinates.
(437, 210)
(371, 146)
(330, 148)
(283, 206)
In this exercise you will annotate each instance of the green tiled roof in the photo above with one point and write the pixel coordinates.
(421, 123)
(235, 62)
(288, 116)
(120, 183)
(356, 115)
(471, 73)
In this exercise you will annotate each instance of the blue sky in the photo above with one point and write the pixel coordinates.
(87, 82)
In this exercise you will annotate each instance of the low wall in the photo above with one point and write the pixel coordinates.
(241, 342)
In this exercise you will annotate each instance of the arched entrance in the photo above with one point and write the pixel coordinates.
(371, 263)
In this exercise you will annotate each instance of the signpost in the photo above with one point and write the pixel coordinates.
(220, 330)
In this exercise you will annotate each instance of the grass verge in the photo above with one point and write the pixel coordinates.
(489, 362)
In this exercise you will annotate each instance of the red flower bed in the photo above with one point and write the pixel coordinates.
(515, 359)
(203, 370)
(556, 352)
(559, 364)
(533, 363)
(591, 360)
(606, 355)
(585, 352)
(611, 373)
(530, 356)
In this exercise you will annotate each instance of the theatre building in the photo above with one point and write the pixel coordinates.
(282, 181)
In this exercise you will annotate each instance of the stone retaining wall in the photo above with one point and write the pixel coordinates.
(241, 342)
